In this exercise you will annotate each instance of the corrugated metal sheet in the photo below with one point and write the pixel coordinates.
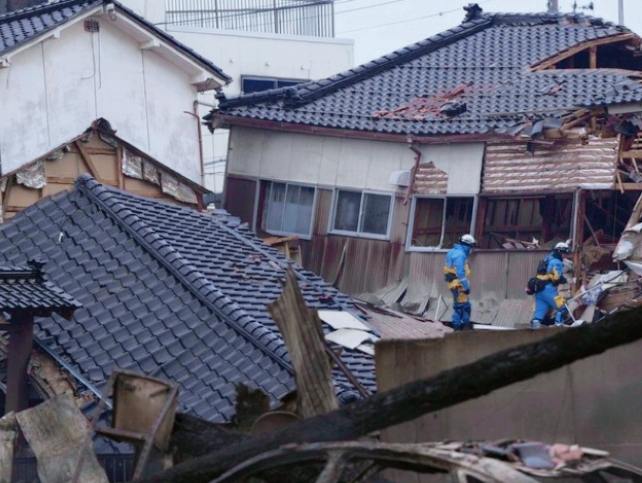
(239, 197)
(322, 212)
(430, 180)
(511, 168)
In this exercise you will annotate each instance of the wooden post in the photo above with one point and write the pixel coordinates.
(578, 236)
(20, 346)
(593, 57)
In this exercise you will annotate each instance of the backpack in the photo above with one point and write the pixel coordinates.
(542, 267)
(535, 285)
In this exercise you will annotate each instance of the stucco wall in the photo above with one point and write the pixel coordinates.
(354, 163)
(54, 90)
(592, 402)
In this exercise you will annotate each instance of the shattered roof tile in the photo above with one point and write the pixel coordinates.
(171, 292)
(490, 55)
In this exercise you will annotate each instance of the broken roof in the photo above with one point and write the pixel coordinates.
(20, 27)
(473, 79)
(167, 291)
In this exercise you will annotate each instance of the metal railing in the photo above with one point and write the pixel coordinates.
(291, 17)
(118, 467)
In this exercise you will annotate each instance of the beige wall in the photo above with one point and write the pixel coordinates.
(594, 402)
(348, 163)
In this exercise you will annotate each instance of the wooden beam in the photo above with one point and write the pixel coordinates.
(635, 153)
(106, 151)
(303, 335)
(119, 167)
(631, 186)
(551, 61)
(87, 159)
(593, 57)
(60, 180)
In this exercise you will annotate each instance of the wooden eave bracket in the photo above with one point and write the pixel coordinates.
(5, 62)
(576, 49)
(154, 43)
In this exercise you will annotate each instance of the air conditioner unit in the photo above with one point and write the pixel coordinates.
(400, 178)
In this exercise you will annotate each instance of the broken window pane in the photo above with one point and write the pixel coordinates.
(376, 213)
(509, 222)
(429, 222)
(288, 208)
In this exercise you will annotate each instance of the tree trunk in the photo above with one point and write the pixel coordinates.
(417, 398)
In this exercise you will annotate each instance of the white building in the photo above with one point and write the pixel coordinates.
(257, 44)
(65, 64)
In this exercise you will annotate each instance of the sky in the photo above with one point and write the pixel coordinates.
(379, 27)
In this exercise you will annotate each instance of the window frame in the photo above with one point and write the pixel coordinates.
(411, 220)
(276, 81)
(260, 206)
(358, 233)
(575, 201)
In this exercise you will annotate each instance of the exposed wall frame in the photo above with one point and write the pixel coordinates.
(440, 247)
(359, 234)
(483, 212)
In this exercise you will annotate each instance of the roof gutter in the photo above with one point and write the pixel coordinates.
(223, 120)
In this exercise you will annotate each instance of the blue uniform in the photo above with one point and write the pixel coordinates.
(457, 271)
(549, 299)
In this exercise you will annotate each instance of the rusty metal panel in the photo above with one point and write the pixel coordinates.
(430, 180)
(521, 267)
(563, 167)
(322, 211)
(239, 198)
(399, 221)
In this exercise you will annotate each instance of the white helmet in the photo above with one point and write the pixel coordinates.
(468, 240)
(563, 247)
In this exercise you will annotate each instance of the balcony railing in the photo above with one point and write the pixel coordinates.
(290, 17)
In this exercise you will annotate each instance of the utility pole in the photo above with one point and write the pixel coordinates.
(620, 12)
(553, 6)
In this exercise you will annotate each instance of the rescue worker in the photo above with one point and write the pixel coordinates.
(456, 273)
(547, 298)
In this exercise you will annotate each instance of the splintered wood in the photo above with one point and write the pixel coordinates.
(8, 429)
(301, 330)
(56, 431)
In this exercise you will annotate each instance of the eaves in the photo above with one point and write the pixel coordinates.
(226, 121)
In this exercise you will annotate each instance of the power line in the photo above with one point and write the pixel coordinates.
(438, 14)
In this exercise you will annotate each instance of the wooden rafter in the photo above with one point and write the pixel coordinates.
(87, 159)
(576, 49)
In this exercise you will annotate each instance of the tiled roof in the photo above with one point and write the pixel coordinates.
(166, 291)
(22, 289)
(484, 60)
(21, 26)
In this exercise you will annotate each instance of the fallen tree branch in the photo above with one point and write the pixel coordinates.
(417, 398)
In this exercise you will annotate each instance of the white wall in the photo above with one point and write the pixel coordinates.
(257, 54)
(55, 89)
(350, 163)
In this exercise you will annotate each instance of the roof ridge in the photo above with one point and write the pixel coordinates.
(337, 81)
(44, 8)
(184, 271)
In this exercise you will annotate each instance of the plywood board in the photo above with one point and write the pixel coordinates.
(56, 431)
(65, 167)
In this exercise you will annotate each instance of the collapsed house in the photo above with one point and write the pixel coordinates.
(522, 129)
(176, 294)
(111, 160)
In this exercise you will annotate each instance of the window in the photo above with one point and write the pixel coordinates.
(509, 221)
(362, 213)
(439, 222)
(258, 84)
(287, 208)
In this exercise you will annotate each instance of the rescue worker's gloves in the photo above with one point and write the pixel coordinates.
(562, 280)
(467, 291)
